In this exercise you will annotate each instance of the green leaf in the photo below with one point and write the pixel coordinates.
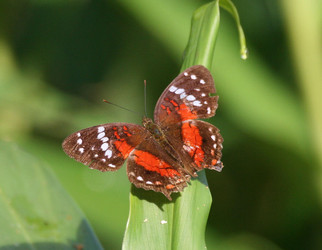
(154, 222)
(230, 7)
(35, 211)
(203, 35)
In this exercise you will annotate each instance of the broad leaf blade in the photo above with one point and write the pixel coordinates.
(203, 36)
(154, 222)
(35, 211)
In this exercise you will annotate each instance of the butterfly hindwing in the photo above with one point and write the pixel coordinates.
(203, 142)
(104, 147)
(187, 97)
(151, 168)
(198, 145)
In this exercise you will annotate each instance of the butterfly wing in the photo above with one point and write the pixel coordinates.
(199, 144)
(151, 168)
(104, 147)
(187, 97)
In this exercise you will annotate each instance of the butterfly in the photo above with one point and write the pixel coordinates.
(162, 155)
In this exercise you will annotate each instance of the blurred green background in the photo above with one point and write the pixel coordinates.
(59, 59)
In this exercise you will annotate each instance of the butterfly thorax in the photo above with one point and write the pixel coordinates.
(154, 129)
(158, 135)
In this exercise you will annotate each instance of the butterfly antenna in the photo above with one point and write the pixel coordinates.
(146, 114)
(116, 105)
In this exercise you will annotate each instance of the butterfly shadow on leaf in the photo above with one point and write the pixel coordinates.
(153, 197)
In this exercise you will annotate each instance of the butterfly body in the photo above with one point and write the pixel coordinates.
(162, 155)
(153, 129)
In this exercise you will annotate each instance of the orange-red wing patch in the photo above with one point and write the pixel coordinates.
(174, 103)
(123, 147)
(193, 141)
(185, 113)
(170, 186)
(152, 163)
(213, 162)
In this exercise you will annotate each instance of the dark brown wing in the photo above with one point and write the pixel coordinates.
(198, 144)
(151, 168)
(187, 97)
(104, 147)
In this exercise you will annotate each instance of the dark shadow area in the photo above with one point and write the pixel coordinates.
(154, 197)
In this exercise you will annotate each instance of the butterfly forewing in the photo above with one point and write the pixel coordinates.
(187, 97)
(104, 147)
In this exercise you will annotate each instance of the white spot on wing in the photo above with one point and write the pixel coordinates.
(203, 94)
(100, 129)
(197, 89)
(215, 146)
(217, 168)
(202, 81)
(103, 160)
(104, 146)
(185, 73)
(79, 141)
(78, 134)
(139, 178)
(205, 102)
(191, 98)
(149, 182)
(183, 95)
(213, 137)
(197, 103)
(208, 110)
(179, 91)
(187, 148)
(81, 150)
(179, 180)
(111, 165)
(108, 153)
(104, 139)
(100, 135)
(193, 77)
(95, 155)
(173, 88)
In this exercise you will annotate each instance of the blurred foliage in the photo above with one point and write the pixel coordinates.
(35, 211)
(59, 59)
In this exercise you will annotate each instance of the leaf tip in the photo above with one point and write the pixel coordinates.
(244, 53)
